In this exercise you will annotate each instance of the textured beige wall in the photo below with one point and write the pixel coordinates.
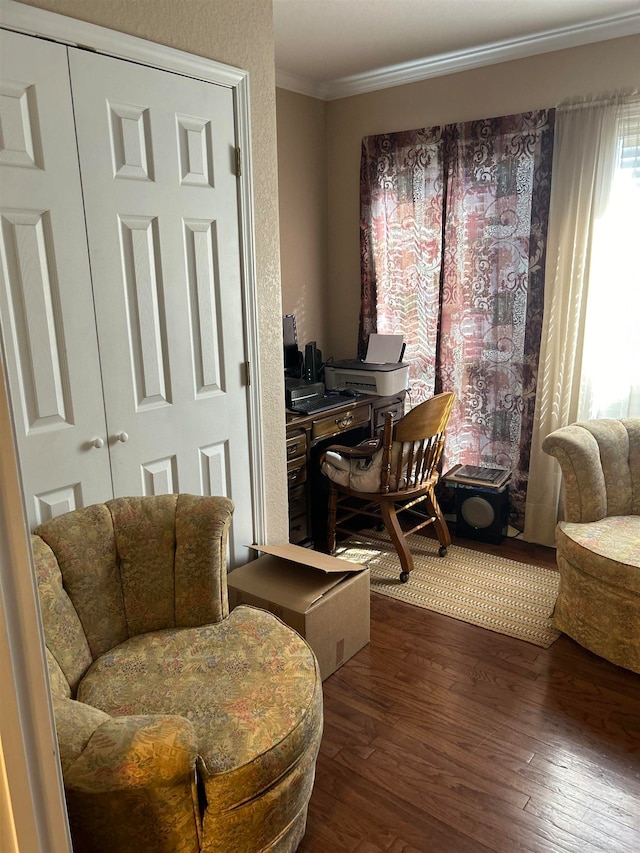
(302, 187)
(239, 33)
(534, 83)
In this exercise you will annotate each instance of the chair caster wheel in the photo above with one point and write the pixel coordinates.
(404, 577)
(442, 551)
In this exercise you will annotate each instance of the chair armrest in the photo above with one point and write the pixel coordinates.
(585, 493)
(361, 451)
(134, 786)
(134, 752)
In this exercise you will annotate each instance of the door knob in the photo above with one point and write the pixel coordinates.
(122, 436)
(98, 442)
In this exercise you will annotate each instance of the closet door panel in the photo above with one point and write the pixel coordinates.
(46, 306)
(157, 164)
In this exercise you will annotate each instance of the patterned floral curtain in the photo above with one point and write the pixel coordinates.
(453, 227)
(402, 186)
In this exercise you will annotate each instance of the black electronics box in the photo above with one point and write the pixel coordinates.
(295, 390)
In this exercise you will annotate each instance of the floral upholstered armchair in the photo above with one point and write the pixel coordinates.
(181, 726)
(598, 543)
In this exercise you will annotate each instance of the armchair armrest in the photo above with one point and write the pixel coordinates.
(585, 493)
(134, 752)
(133, 786)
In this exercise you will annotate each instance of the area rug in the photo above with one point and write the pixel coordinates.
(501, 595)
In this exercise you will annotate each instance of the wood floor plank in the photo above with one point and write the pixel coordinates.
(598, 831)
(587, 786)
(472, 811)
(382, 815)
(459, 766)
(441, 736)
(554, 724)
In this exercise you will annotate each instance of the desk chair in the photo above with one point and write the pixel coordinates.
(393, 474)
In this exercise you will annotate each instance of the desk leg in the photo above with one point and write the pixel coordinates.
(331, 520)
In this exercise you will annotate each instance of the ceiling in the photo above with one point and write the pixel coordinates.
(333, 48)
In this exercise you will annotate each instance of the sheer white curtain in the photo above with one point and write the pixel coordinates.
(610, 375)
(584, 343)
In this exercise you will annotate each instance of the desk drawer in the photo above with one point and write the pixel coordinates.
(297, 501)
(297, 471)
(296, 444)
(298, 529)
(396, 406)
(338, 422)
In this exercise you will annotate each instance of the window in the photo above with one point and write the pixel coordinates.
(610, 372)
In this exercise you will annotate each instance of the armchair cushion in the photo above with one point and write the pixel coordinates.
(608, 549)
(254, 707)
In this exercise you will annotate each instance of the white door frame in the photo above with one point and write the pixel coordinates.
(32, 810)
(26, 761)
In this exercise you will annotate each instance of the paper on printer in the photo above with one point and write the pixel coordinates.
(384, 349)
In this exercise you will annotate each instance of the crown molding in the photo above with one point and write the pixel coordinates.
(299, 84)
(602, 29)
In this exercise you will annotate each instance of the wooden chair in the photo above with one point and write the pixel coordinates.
(393, 474)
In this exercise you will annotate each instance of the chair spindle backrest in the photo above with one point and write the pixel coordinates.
(413, 449)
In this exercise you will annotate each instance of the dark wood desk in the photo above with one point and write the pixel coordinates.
(307, 436)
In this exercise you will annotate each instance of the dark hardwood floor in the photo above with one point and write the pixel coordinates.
(440, 736)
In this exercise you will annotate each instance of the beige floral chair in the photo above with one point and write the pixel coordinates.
(181, 726)
(598, 543)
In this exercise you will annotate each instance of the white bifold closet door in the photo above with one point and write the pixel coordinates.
(157, 165)
(159, 222)
(46, 308)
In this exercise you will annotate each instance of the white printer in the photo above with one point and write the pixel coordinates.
(381, 379)
(382, 371)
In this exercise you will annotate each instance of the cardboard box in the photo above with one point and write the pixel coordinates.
(324, 599)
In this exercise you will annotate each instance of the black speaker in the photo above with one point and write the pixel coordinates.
(312, 363)
(293, 358)
(482, 514)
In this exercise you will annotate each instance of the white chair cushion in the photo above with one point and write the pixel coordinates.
(362, 475)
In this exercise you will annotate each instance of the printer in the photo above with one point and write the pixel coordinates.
(367, 377)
